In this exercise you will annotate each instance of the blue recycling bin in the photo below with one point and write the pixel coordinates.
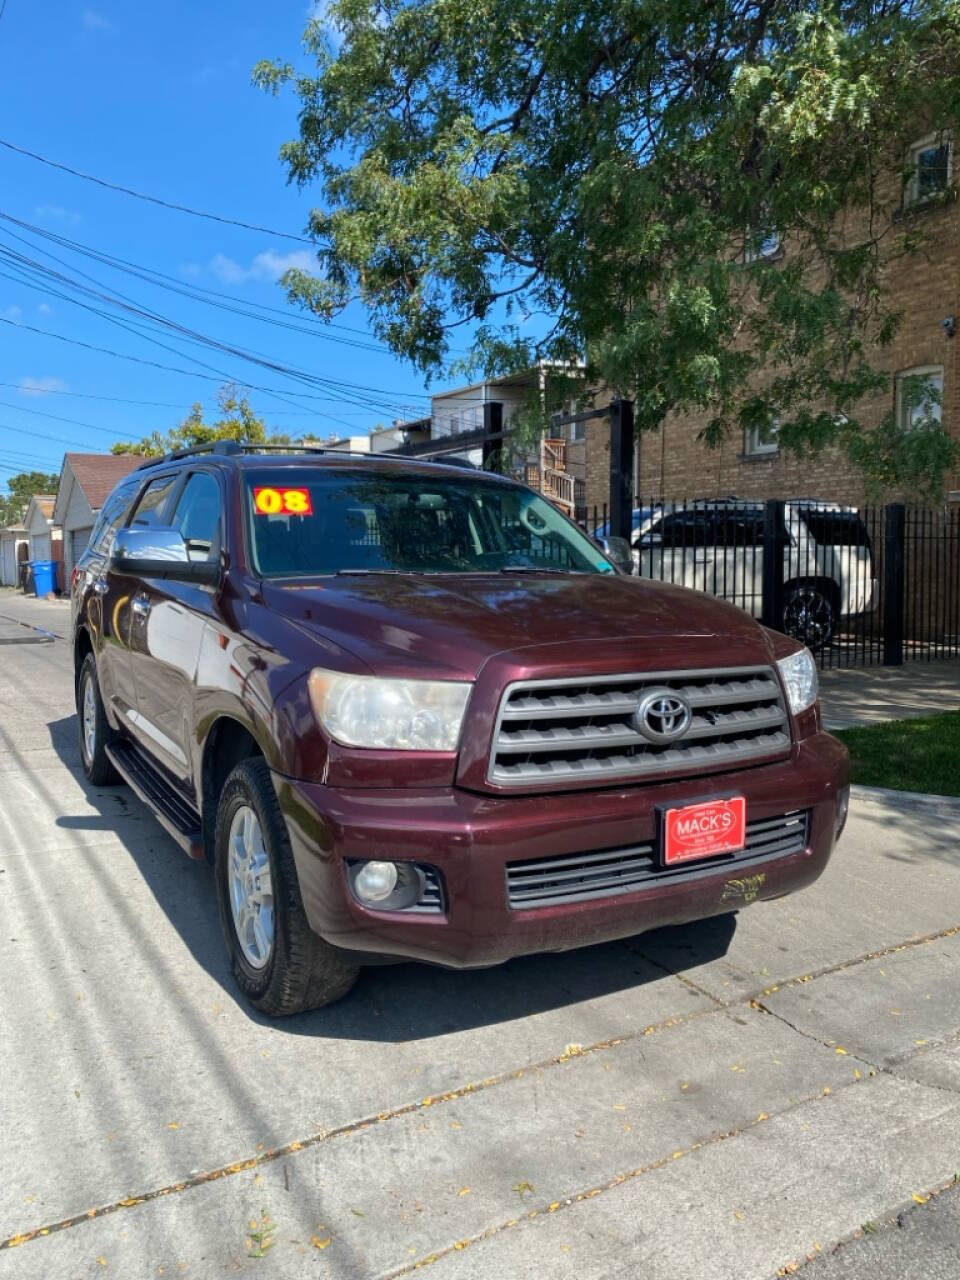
(44, 576)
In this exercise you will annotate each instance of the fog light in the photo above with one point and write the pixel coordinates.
(375, 881)
(843, 808)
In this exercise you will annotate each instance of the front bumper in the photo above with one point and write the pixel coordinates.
(469, 838)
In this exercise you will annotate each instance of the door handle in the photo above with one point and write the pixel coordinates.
(140, 606)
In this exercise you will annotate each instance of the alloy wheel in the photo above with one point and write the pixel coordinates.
(250, 888)
(89, 714)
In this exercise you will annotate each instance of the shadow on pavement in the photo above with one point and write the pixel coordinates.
(396, 1002)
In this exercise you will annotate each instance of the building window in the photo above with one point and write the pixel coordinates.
(929, 168)
(760, 442)
(919, 396)
(762, 246)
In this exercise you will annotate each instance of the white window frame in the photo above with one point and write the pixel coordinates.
(754, 447)
(767, 250)
(932, 371)
(911, 194)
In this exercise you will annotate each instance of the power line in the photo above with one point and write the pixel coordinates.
(141, 195)
(151, 404)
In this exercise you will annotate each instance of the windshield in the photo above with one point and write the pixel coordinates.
(309, 520)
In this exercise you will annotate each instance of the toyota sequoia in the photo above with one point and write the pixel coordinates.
(410, 710)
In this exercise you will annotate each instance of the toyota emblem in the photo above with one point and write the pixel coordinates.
(662, 716)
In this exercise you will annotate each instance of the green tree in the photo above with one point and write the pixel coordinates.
(238, 421)
(617, 166)
(20, 489)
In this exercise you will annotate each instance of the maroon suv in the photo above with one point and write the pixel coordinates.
(411, 710)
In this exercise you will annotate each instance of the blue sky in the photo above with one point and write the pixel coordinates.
(158, 98)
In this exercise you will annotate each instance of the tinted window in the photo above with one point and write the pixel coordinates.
(150, 508)
(836, 528)
(198, 515)
(311, 521)
(111, 518)
(686, 529)
(738, 528)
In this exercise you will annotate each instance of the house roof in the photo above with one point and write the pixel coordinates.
(44, 503)
(97, 473)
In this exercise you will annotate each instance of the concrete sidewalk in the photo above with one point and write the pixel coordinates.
(719, 1100)
(868, 695)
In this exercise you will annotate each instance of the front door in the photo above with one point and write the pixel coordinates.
(169, 624)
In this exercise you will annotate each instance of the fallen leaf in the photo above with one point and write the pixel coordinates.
(524, 1188)
(321, 1244)
(841, 1049)
(739, 1215)
(174, 1124)
(919, 1198)
(464, 1191)
(358, 1213)
(102, 1261)
(618, 1106)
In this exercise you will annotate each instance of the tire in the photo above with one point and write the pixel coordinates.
(279, 963)
(810, 615)
(95, 732)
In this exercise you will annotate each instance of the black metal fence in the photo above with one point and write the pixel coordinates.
(859, 585)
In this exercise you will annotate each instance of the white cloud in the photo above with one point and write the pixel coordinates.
(12, 313)
(57, 213)
(94, 21)
(267, 266)
(42, 386)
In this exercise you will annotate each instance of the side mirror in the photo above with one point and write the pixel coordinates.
(618, 549)
(159, 553)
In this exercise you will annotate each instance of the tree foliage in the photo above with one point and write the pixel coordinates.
(20, 489)
(592, 172)
(238, 421)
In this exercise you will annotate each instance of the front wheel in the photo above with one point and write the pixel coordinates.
(95, 732)
(810, 616)
(279, 963)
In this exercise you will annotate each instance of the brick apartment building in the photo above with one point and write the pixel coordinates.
(672, 463)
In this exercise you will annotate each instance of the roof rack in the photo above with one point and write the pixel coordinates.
(229, 447)
(235, 448)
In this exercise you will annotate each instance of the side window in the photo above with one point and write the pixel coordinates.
(198, 515)
(739, 529)
(149, 512)
(688, 529)
(111, 518)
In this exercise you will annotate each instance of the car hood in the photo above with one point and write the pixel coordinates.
(450, 626)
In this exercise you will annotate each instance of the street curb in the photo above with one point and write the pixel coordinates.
(932, 806)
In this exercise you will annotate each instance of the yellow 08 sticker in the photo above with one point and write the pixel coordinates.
(281, 501)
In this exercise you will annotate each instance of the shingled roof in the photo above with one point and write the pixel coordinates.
(97, 473)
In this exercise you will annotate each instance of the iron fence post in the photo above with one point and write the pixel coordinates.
(621, 469)
(773, 543)
(894, 581)
(492, 435)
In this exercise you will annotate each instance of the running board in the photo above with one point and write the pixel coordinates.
(174, 812)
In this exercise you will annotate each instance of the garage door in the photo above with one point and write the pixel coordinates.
(40, 547)
(8, 572)
(78, 545)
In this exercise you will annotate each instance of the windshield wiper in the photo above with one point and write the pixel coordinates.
(535, 568)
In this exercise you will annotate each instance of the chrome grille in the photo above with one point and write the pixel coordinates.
(580, 877)
(583, 730)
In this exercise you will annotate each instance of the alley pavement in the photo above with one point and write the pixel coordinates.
(726, 1099)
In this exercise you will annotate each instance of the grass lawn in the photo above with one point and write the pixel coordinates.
(908, 755)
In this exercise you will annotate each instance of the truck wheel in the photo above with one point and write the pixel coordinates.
(95, 732)
(809, 615)
(279, 963)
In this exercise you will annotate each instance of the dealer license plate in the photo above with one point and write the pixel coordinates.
(704, 830)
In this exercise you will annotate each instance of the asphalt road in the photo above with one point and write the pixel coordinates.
(720, 1100)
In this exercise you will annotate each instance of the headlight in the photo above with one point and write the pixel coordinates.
(799, 673)
(396, 715)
